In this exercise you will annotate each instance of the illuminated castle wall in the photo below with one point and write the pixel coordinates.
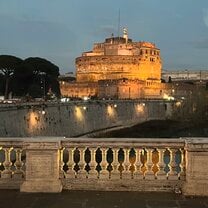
(118, 58)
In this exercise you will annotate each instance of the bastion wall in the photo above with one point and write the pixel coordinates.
(94, 68)
(76, 118)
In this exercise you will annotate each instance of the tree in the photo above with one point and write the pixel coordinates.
(34, 90)
(46, 74)
(8, 65)
(22, 79)
(2, 84)
(194, 107)
(42, 65)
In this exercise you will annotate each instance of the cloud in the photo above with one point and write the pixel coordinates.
(205, 16)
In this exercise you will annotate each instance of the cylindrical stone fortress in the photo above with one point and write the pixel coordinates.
(118, 58)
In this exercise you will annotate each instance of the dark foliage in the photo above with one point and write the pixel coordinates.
(8, 65)
(2, 84)
(33, 77)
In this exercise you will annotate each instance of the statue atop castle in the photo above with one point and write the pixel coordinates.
(125, 34)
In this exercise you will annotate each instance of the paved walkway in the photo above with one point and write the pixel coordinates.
(92, 199)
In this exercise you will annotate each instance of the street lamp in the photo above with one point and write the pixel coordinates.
(43, 84)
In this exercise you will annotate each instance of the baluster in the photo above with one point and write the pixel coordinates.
(104, 172)
(93, 173)
(71, 173)
(183, 164)
(138, 164)
(61, 163)
(161, 173)
(115, 164)
(18, 173)
(172, 174)
(126, 172)
(132, 161)
(149, 173)
(7, 173)
(82, 171)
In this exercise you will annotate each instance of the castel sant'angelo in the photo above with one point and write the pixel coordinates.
(119, 69)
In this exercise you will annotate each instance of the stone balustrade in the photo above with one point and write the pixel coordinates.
(123, 164)
(12, 163)
(53, 164)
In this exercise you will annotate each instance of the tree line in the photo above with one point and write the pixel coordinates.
(33, 77)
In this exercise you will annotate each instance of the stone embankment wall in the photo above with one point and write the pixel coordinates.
(76, 118)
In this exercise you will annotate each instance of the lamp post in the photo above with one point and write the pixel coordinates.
(43, 84)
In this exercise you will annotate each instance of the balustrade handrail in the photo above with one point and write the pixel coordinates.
(105, 142)
(98, 142)
(11, 142)
(124, 142)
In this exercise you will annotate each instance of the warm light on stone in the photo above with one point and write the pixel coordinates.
(140, 108)
(78, 113)
(110, 111)
(116, 58)
(33, 119)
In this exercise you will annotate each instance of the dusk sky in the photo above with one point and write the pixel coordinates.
(60, 30)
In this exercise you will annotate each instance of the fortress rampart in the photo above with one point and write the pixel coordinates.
(95, 68)
(76, 118)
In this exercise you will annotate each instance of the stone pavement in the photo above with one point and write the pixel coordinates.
(94, 199)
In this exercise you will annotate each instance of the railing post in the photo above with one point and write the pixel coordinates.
(7, 173)
(115, 164)
(42, 166)
(71, 172)
(161, 175)
(183, 164)
(172, 174)
(18, 173)
(93, 173)
(62, 173)
(126, 173)
(196, 182)
(149, 173)
(82, 173)
(138, 164)
(104, 172)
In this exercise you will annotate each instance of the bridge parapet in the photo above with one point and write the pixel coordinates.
(12, 163)
(110, 164)
(123, 164)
